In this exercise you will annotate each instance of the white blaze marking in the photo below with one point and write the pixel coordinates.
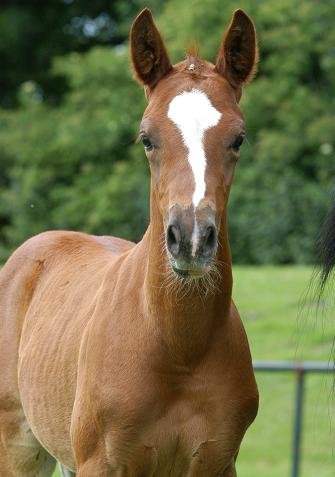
(193, 113)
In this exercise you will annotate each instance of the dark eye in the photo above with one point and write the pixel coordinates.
(235, 146)
(146, 142)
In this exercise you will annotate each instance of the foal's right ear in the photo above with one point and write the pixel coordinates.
(149, 57)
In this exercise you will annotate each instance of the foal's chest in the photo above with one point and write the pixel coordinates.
(193, 429)
(188, 442)
(168, 416)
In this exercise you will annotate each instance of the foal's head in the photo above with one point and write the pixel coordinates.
(192, 131)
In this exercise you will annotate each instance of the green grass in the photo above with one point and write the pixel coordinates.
(281, 322)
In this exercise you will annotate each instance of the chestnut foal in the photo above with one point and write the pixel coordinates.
(131, 360)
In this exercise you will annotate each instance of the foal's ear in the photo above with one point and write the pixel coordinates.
(149, 57)
(238, 54)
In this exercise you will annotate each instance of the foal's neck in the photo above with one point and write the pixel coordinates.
(186, 314)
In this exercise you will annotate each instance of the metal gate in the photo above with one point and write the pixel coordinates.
(301, 369)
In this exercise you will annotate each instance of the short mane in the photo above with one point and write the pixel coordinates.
(193, 52)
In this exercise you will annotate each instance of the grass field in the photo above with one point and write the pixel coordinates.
(282, 324)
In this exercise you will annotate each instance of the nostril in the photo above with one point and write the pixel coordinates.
(173, 240)
(210, 239)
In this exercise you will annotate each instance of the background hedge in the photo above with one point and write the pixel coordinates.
(69, 114)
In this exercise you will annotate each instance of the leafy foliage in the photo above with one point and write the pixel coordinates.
(72, 162)
(71, 166)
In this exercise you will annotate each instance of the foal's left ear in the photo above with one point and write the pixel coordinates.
(238, 54)
(149, 57)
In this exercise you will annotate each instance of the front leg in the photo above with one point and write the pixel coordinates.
(141, 462)
(230, 471)
(94, 468)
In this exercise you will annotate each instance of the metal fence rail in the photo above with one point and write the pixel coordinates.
(300, 369)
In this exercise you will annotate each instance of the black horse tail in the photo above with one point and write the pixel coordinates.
(327, 248)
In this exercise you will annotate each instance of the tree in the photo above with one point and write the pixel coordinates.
(33, 33)
(76, 166)
(72, 163)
